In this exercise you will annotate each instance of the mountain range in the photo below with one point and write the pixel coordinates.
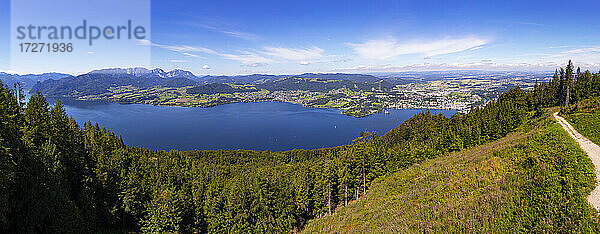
(29, 80)
(99, 81)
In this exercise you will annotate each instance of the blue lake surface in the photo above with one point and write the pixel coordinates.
(272, 126)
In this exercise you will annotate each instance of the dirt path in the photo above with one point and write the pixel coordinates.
(592, 150)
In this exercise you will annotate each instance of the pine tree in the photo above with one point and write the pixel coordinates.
(569, 78)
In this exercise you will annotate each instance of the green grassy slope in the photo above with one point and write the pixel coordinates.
(534, 181)
(585, 118)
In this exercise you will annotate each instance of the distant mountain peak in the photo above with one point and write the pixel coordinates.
(180, 73)
(136, 71)
(140, 71)
(158, 71)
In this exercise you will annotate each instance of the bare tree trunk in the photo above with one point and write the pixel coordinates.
(345, 195)
(329, 201)
(364, 181)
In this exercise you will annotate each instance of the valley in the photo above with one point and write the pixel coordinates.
(353, 94)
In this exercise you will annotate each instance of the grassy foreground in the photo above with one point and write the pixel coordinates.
(585, 118)
(533, 180)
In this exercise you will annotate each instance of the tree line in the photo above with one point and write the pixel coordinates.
(58, 176)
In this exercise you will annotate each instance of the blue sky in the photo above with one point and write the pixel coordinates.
(288, 37)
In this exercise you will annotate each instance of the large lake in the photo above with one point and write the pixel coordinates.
(258, 126)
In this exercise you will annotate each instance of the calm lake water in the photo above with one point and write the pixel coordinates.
(258, 126)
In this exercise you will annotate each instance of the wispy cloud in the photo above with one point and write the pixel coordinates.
(244, 57)
(322, 61)
(183, 49)
(587, 57)
(176, 61)
(205, 67)
(255, 65)
(390, 47)
(519, 23)
(559, 47)
(9, 71)
(484, 65)
(587, 50)
(219, 26)
(294, 54)
(252, 58)
(233, 33)
(190, 54)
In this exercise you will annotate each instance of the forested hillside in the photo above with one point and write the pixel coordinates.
(58, 176)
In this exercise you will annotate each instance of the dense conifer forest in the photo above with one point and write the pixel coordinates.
(58, 176)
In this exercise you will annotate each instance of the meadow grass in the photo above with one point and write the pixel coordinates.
(535, 180)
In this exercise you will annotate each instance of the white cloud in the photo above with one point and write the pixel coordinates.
(489, 66)
(390, 47)
(586, 57)
(293, 53)
(176, 61)
(260, 57)
(206, 67)
(255, 65)
(304, 63)
(241, 35)
(185, 49)
(8, 71)
(558, 47)
(238, 34)
(504, 22)
(245, 57)
(588, 50)
(190, 54)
